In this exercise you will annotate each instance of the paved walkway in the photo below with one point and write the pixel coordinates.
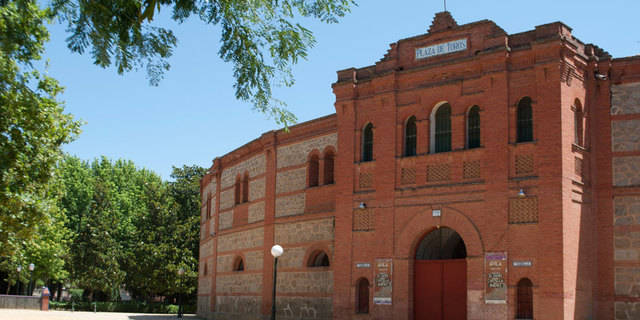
(14, 314)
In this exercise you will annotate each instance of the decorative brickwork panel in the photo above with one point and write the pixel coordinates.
(256, 189)
(239, 282)
(224, 263)
(438, 172)
(626, 171)
(628, 281)
(206, 249)
(471, 170)
(365, 180)
(226, 220)
(212, 227)
(254, 166)
(578, 167)
(627, 210)
(238, 307)
(627, 310)
(625, 135)
(625, 98)
(290, 205)
(295, 308)
(203, 305)
(296, 154)
(253, 260)
(291, 180)
(203, 231)
(305, 282)
(204, 285)
(209, 189)
(363, 220)
(241, 240)
(408, 176)
(256, 212)
(524, 164)
(304, 231)
(226, 199)
(523, 210)
(626, 246)
(293, 259)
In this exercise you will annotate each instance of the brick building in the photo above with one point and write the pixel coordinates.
(468, 174)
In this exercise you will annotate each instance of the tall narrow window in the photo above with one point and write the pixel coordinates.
(313, 171)
(410, 137)
(578, 123)
(525, 120)
(238, 191)
(473, 127)
(328, 167)
(245, 187)
(238, 265)
(362, 298)
(443, 128)
(367, 143)
(208, 206)
(525, 299)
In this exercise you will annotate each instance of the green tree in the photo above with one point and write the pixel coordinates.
(32, 125)
(261, 38)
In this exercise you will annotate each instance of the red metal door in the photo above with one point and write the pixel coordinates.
(440, 289)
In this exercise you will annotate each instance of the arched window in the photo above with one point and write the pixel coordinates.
(578, 123)
(525, 299)
(328, 167)
(442, 129)
(473, 127)
(410, 137)
(238, 191)
(313, 170)
(362, 298)
(525, 120)
(367, 143)
(245, 187)
(238, 265)
(318, 259)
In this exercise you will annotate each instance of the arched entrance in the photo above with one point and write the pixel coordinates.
(440, 277)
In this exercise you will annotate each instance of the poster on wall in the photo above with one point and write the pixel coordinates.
(383, 283)
(495, 266)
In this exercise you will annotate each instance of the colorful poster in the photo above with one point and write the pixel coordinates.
(495, 265)
(383, 283)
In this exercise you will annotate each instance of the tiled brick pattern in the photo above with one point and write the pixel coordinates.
(627, 310)
(203, 306)
(626, 171)
(523, 210)
(241, 240)
(239, 283)
(365, 180)
(256, 212)
(238, 307)
(471, 170)
(304, 231)
(296, 154)
(627, 246)
(226, 199)
(204, 285)
(226, 219)
(256, 189)
(290, 205)
(628, 281)
(408, 176)
(293, 259)
(225, 263)
(253, 260)
(625, 98)
(438, 172)
(206, 248)
(291, 180)
(524, 164)
(294, 308)
(305, 282)
(255, 166)
(363, 220)
(625, 135)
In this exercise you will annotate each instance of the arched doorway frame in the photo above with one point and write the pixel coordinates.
(418, 227)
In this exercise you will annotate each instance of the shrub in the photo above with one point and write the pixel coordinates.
(124, 306)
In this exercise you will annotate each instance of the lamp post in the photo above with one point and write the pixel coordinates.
(180, 273)
(276, 251)
(31, 267)
(19, 268)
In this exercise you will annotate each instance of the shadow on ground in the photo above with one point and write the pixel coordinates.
(162, 317)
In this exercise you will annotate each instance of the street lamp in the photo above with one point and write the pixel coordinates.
(276, 251)
(31, 267)
(19, 268)
(180, 273)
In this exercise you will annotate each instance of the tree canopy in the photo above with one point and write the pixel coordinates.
(260, 38)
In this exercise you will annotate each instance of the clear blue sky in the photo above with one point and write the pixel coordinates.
(192, 116)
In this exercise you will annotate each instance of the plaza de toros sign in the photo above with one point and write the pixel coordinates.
(441, 48)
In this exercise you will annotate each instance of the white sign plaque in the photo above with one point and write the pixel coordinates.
(522, 264)
(435, 213)
(441, 48)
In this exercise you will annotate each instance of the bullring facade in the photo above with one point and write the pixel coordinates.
(468, 174)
